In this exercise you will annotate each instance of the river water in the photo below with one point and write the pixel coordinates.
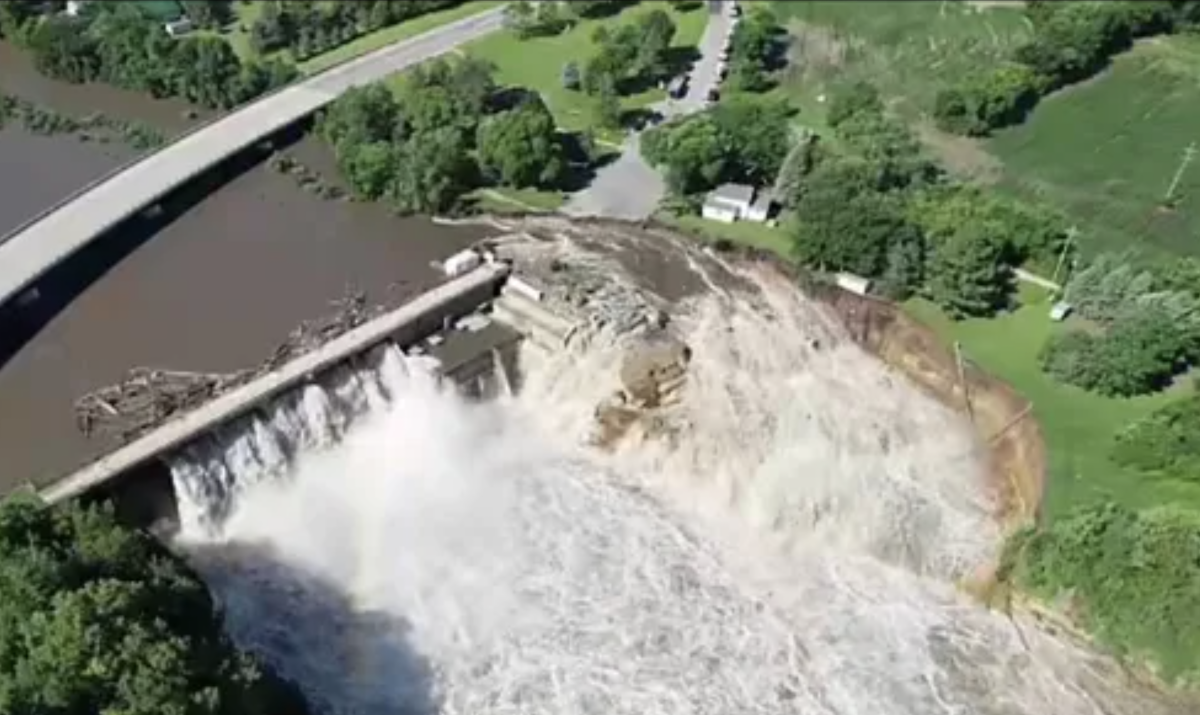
(214, 290)
(785, 541)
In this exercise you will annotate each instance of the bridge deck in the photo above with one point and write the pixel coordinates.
(459, 295)
(40, 244)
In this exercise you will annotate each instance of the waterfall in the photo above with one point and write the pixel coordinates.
(211, 472)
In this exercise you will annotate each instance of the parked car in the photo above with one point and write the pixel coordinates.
(714, 96)
(678, 87)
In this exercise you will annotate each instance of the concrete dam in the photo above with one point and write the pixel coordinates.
(466, 330)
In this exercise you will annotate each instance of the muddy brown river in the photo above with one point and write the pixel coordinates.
(215, 289)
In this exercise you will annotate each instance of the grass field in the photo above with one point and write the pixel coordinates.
(742, 233)
(1105, 151)
(1079, 427)
(537, 63)
(908, 49)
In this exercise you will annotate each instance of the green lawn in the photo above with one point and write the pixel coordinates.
(502, 199)
(537, 63)
(743, 233)
(1079, 427)
(1105, 151)
(908, 49)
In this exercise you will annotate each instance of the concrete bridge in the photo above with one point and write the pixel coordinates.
(412, 322)
(30, 250)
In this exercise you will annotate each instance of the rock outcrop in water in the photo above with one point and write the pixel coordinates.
(653, 373)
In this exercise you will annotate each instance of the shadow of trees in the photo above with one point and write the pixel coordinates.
(344, 657)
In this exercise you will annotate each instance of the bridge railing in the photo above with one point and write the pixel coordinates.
(301, 81)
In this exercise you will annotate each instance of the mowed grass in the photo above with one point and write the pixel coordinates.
(742, 233)
(909, 50)
(1105, 151)
(1079, 427)
(537, 63)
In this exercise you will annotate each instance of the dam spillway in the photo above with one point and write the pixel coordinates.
(783, 539)
(414, 321)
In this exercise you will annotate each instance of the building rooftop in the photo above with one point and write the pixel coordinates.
(732, 193)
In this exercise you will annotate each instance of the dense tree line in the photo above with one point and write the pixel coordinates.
(540, 19)
(120, 45)
(308, 28)
(444, 134)
(1145, 327)
(1166, 443)
(96, 618)
(1132, 576)
(869, 202)
(1071, 42)
(756, 51)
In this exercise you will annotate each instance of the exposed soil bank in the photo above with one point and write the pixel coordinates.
(1002, 418)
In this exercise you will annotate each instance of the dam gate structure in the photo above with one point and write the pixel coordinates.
(466, 330)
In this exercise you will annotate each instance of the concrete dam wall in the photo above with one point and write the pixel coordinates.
(444, 327)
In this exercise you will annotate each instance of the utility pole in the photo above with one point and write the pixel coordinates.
(1062, 256)
(1189, 153)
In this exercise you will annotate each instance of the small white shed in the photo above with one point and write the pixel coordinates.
(853, 283)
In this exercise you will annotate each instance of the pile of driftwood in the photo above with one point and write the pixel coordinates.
(148, 397)
(351, 312)
(144, 399)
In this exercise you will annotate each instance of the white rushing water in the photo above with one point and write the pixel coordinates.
(794, 550)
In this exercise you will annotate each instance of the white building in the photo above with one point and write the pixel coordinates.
(737, 202)
(74, 6)
(180, 27)
(853, 283)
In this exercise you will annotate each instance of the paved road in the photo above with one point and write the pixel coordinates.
(704, 75)
(629, 188)
(30, 250)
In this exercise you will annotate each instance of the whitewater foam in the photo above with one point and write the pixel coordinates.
(792, 551)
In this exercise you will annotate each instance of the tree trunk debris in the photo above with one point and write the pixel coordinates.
(147, 397)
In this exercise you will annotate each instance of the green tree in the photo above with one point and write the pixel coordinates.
(800, 161)
(694, 152)
(362, 114)
(851, 100)
(1167, 442)
(607, 108)
(967, 275)
(63, 49)
(210, 14)
(655, 31)
(759, 135)
(1134, 576)
(521, 147)
(433, 170)
(95, 618)
(208, 71)
(756, 49)
(847, 223)
(369, 167)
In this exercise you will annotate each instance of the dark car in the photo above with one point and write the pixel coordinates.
(714, 95)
